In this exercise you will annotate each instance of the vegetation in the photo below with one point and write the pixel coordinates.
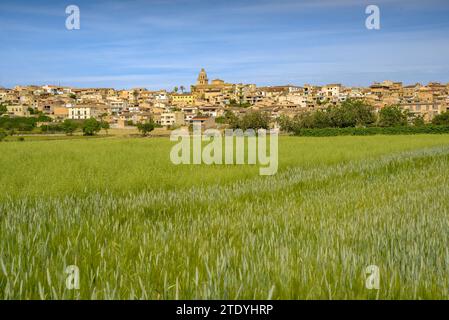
(69, 126)
(328, 132)
(351, 113)
(418, 121)
(251, 120)
(3, 134)
(146, 127)
(91, 127)
(33, 111)
(3, 109)
(393, 116)
(18, 123)
(153, 230)
(354, 117)
(240, 104)
(441, 119)
(52, 128)
(228, 118)
(105, 126)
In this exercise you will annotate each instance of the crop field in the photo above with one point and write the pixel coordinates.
(139, 227)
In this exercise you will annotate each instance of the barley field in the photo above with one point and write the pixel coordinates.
(139, 227)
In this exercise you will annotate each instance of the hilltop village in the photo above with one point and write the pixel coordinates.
(208, 100)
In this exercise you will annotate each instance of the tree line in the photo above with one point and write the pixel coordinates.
(356, 114)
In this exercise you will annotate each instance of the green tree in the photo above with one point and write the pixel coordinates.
(176, 89)
(135, 95)
(233, 103)
(441, 119)
(351, 113)
(3, 109)
(304, 120)
(146, 127)
(253, 120)
(43, 118)
(91, 127)
(105, 126)
(286, 123)
(69, 126)
(321, 119)
(3, 134)
(228, 118)
(393, 116)
(32, 111)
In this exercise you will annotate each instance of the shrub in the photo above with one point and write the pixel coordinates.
(3, 134)
(418, 121)
(441, 119)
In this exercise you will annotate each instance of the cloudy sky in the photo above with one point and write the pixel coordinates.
(164, 43)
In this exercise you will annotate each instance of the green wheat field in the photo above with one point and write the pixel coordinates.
(139, 227)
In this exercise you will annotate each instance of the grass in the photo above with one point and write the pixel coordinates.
(139, 227)
(52, 137)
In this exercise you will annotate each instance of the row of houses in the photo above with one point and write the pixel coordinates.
(210, 99)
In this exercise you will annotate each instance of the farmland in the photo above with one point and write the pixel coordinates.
(139, 227)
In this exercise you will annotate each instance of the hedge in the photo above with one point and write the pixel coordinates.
(369, 131)
(21, 124)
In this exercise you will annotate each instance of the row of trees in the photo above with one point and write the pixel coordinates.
(89, 127)
(354, 113)
(349, 114)
(251, 120)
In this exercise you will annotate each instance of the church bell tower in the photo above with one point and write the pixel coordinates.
(202, 78)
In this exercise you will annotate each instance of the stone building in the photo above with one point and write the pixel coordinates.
(210, 92)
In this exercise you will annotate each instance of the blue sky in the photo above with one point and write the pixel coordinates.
(162, 44)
